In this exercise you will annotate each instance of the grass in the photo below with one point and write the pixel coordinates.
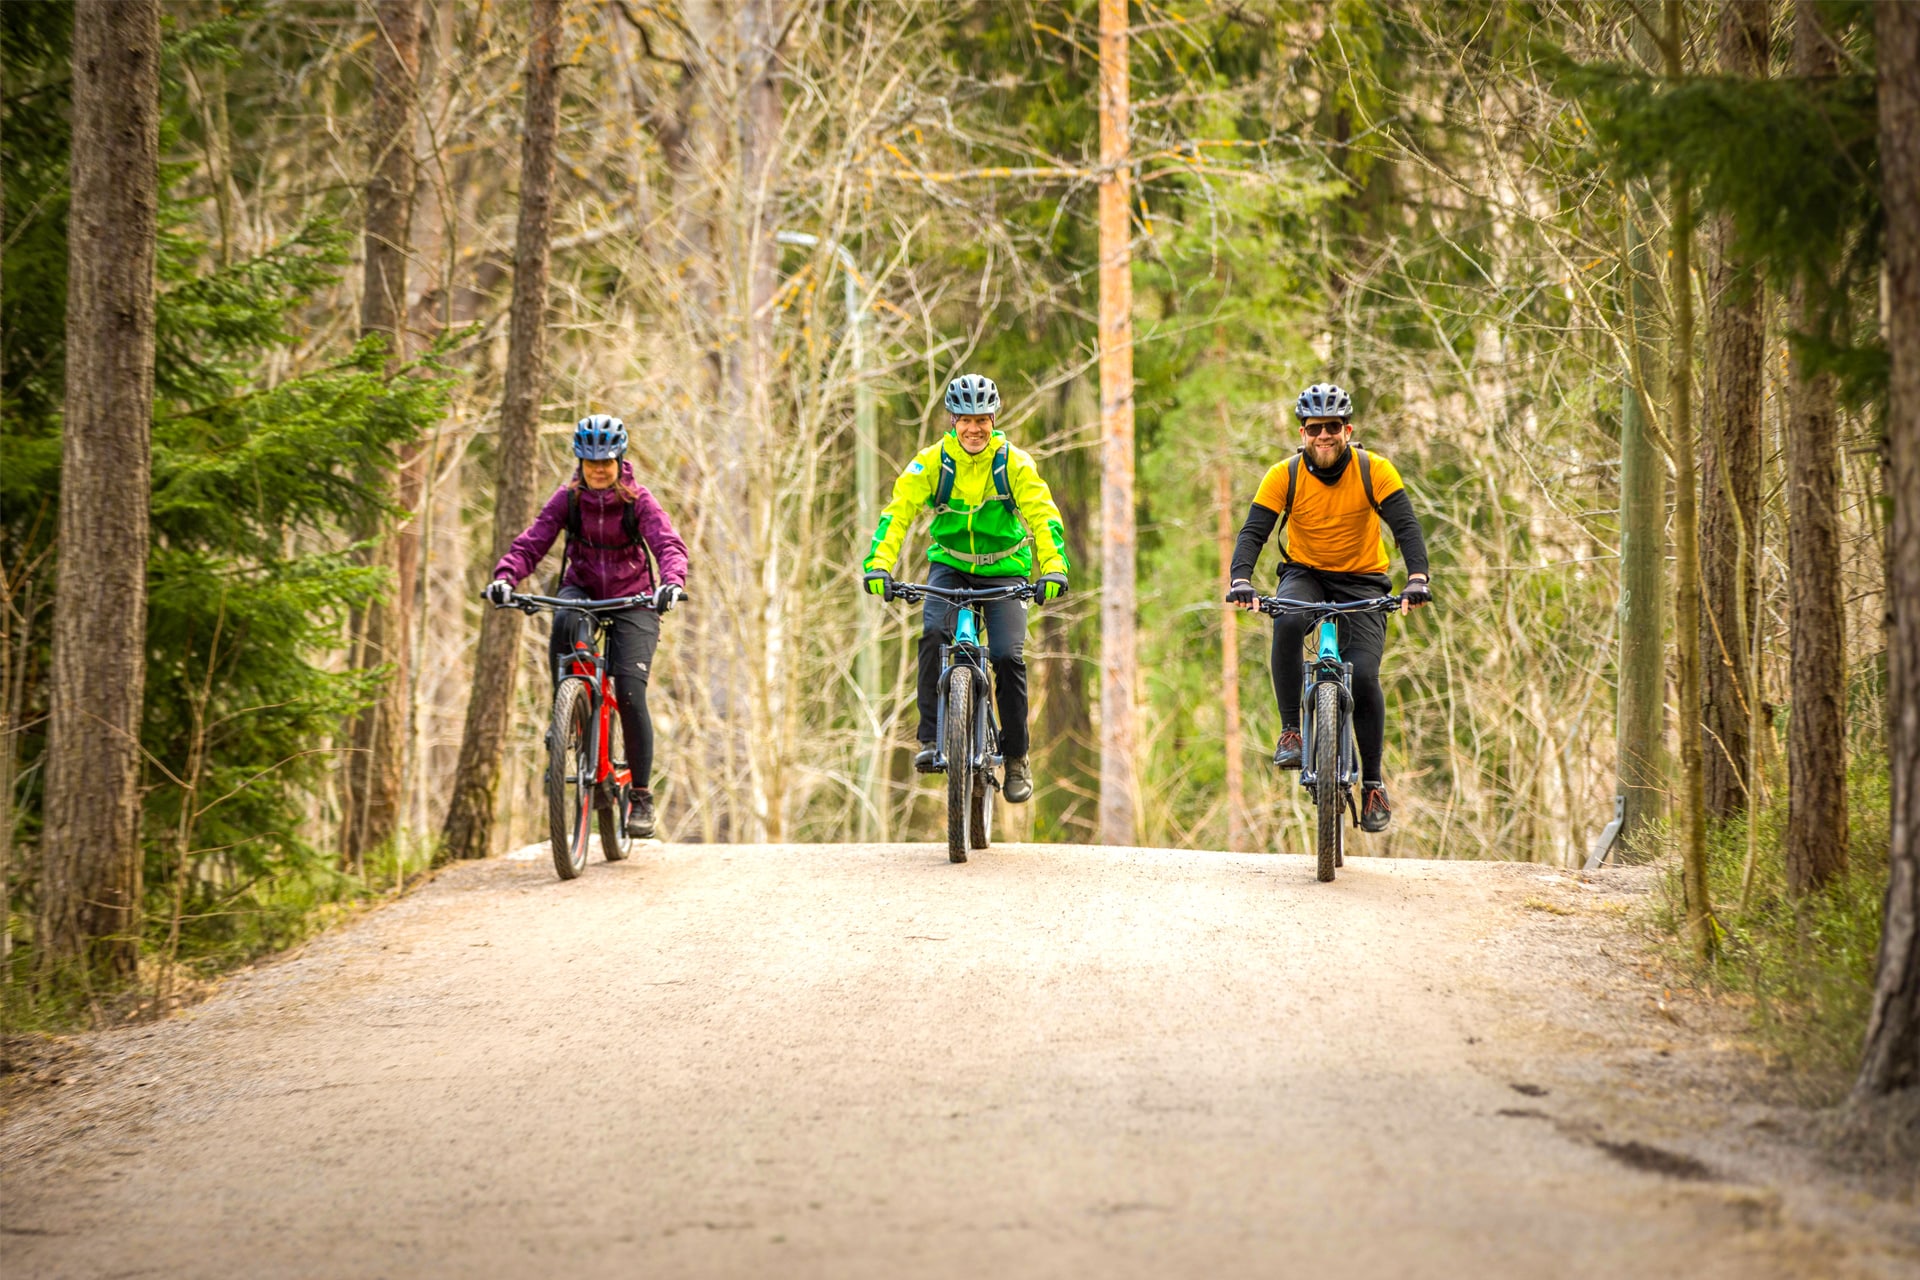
(221, 933)
(1807, 963)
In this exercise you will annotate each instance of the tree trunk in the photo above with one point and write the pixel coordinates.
(1730, 468)
(1892, 1055)
(371, 802)
(90, 886)
(1117, 601)
(1817, 732)
(1230, 665)
(1640, 714)
(1686, 532)
(469, 827)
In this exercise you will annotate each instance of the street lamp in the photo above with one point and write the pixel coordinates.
(866, 480)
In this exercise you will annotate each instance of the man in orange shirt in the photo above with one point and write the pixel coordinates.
(1334, 498)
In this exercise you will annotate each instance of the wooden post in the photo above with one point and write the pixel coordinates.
(1117, 600)
(1640, 715)
(1230, 665)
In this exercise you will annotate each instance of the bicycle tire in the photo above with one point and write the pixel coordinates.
(614, 844)
(1326, 781)
(959, 748)
(568, 802)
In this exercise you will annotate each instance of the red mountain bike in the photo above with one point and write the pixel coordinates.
(585, 774)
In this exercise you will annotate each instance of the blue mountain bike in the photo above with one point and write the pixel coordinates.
(1329, 755)
(968, 736)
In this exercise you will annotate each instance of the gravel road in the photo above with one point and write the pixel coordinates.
(864, 1061)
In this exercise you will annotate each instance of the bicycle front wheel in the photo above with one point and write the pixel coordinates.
(1326, 782)
(569, 777)
(959, 748)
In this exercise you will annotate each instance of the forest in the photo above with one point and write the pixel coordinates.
(301, 300)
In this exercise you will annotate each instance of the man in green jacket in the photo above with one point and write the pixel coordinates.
(993, 517)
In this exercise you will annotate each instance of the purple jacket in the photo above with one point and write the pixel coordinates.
(609, 568)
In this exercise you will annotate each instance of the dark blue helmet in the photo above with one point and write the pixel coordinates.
(1323, 400)
(970, 394)
(599, 437)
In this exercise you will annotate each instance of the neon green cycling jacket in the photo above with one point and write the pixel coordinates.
(976, 532)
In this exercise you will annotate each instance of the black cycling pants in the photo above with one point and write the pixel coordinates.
(1363, 638)
(1006, 650)
(632, 636)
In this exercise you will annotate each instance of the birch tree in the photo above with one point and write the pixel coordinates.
(470, 817)
(371, 800)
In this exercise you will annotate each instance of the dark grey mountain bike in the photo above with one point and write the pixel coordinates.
(1329, 756)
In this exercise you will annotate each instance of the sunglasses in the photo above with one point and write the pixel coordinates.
(1323, 428)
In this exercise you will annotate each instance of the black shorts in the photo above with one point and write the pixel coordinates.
(1359, 632)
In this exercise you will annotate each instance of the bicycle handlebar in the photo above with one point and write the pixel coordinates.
(533, 604)
(1274, 606)
(914, 591)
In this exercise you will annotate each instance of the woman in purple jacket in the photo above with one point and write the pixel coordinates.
(612, 523)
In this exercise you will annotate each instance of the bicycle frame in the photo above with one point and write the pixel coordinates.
(966, 649)
(587, 662)
(1327, 667)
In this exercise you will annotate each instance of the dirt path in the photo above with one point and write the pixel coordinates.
(861, 1061)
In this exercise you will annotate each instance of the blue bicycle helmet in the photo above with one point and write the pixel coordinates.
(970, 394)
(1323, 400)
(599, 437)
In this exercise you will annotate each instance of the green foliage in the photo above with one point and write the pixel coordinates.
(1793, 160)
(1807, 963)
(255, 473)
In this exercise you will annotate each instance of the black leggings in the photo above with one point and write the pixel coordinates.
(632, 637)
(1363, 639)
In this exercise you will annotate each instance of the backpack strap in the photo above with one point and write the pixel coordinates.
(943, 488)
(629, 523)
(1293, 479)
(1366, 475)
(1002, 484)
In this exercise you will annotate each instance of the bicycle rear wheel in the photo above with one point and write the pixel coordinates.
(569, 792)
(980, 811)
(959, 748)
(612, 814)
(1326, 782)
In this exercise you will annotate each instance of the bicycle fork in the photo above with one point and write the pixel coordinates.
(1327, 667)
(985, 721)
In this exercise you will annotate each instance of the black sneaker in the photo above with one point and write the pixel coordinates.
(1375, 812)
(1287, 754)
(926, 759)
(1019, 788)
(640, 817)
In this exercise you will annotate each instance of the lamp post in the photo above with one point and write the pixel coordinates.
(866, 479)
